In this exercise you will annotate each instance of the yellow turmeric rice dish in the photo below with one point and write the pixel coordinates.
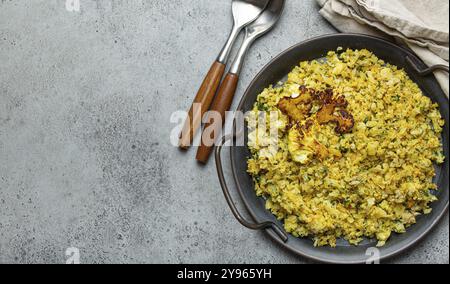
(354, 152)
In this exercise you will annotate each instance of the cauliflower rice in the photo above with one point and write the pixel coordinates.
(373, 180)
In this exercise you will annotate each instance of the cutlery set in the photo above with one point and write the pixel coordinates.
(256, 17)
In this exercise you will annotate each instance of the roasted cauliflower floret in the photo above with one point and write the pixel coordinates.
(301, 143)
(303, 146)
(299, 153)
(342, 118)
(297, 108)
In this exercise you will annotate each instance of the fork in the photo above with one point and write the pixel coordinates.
(224, 98)
(244, 13)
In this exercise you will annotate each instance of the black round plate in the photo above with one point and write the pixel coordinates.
(275, 71)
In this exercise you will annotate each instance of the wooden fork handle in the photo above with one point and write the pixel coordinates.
(201, 104)
(220, 105)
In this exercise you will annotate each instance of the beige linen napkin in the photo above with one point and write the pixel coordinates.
(422, 25)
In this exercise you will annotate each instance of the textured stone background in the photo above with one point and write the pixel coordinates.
(85, 158)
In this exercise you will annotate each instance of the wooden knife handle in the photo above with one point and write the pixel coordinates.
(201, 104)
(220, 105)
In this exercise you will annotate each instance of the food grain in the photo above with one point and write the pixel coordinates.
(356, 164)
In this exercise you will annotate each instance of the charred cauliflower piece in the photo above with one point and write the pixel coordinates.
(302, 146)
(325, 114)
(343, 119)
(299, 152)
(297, 108)
(345, 122)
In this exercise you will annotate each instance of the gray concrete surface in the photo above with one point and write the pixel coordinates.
(85, 158)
